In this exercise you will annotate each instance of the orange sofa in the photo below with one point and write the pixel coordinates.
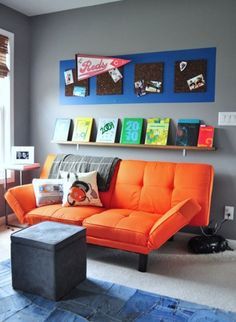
(146, 204)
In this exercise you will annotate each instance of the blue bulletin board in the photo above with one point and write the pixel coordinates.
(168, 94)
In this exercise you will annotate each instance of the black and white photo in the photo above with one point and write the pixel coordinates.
(22, 154)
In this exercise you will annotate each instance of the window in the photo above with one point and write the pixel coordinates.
(6, 95)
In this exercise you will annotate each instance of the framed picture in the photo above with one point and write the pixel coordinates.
(22, 154)
(61, 129)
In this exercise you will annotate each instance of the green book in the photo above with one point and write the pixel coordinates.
(131, 131)
(157, 131)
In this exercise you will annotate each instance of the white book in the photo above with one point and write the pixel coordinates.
(107, 128)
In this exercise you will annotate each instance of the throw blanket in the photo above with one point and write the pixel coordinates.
(105, 167)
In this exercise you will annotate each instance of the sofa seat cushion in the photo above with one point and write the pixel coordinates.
(123, 225)
(70, 215)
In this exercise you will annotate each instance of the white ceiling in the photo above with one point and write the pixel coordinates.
(39, 7)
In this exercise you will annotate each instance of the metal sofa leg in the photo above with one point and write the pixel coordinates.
(142, 265)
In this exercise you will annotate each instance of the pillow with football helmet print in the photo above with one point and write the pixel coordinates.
(81, 190)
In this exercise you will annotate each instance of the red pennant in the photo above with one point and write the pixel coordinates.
(88, 65)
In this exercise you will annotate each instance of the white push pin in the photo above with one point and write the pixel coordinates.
(182, 65)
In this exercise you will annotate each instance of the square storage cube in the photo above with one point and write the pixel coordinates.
(48, 259)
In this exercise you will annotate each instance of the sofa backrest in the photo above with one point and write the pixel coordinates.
(158, 186)
(104, 196)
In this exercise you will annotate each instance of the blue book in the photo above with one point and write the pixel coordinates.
(187, 132)
(197, 121)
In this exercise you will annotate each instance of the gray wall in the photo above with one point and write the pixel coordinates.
(19, 24)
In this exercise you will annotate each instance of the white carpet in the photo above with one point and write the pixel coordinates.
(172, 271)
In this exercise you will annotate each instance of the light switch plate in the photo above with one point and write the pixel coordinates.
(227, 118)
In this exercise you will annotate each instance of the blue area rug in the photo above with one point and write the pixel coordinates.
(94, 300)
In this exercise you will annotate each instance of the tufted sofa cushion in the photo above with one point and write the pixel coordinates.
(122, 225)
(157, 186)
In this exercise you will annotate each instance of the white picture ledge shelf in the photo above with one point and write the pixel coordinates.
(184, 149)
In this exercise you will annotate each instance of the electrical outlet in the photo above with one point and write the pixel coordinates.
(227, 118)
(229, 213)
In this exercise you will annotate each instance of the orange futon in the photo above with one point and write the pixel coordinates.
(146, 204)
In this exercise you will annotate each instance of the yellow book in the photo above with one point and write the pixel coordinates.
(157, 131)
(82, 129)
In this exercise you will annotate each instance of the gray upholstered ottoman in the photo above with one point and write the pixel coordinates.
(48, 259)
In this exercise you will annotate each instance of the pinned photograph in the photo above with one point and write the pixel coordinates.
(69, 79)
(196, 82)
(115, 74)
(153, 87)
(140, 88)
(79, 91)
(182, 65)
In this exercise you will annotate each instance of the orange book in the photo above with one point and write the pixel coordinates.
(206, 135)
